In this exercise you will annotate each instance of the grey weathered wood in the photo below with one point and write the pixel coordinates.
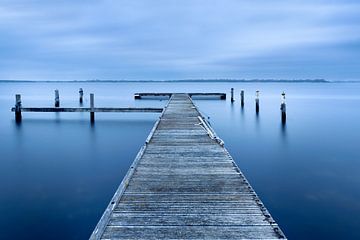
(75, 109)
(184, 185)
(17, 108)
(242, 95)
(81, 95)
(222, 96)
(57, 98)
(92, 112)
(283, 108)
(257, 102)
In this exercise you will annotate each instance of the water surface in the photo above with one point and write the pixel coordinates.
(58, 172)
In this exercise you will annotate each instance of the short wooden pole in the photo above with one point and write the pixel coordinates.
(283, 108)
(242, 93)
(81, 94)
(92, 113)
(232, 94)
(57, 98)
(18, 108)
(257, 102)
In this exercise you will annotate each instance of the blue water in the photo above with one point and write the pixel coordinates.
(58, 172)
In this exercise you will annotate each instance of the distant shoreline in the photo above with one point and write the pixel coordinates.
(184, 81)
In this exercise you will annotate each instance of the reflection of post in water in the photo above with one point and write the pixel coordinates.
(257, 119)
(242, 112)
(232, 108)
(283, 131)
(57, 117)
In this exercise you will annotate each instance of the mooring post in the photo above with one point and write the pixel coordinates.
(232, 94)
(92, 113)
(283, 108)
(242, 93)
(57, 99)
(81, 94)
(18, 108)
(257, 101)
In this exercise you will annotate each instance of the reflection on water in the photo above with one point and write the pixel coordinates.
(283, 133)
(60, 171)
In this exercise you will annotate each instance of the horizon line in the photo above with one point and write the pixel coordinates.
(183, 80)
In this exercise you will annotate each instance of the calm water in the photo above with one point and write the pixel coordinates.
(58, 173)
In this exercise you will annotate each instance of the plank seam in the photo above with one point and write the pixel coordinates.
(105, 218)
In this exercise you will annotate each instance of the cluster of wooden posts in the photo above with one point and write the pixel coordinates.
(18, 108)
(257, 102)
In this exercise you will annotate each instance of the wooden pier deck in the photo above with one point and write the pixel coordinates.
(87, 109)
(184, 184)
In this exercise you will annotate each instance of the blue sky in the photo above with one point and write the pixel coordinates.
(179, 39)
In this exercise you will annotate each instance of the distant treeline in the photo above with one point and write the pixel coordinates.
(187, 80)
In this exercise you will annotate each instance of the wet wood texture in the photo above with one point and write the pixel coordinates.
(141, 95)
(85, 109)
(184, 184)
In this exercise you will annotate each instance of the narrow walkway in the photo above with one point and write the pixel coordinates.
(185, 185)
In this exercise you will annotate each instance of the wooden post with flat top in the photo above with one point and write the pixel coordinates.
(257, 102)
(283, 108)
(18, 108)
(57, 98)
(81, 94)
(242, 93)
(92, 113)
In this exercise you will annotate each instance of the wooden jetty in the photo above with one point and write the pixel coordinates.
(222, 96)
(18, 109)
(184, 184)
(86, 109)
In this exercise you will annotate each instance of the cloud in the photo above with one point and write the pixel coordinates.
(175, 39)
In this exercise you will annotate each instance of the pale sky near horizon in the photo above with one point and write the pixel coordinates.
(179, 39)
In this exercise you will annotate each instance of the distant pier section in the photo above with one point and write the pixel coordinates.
(222, 96)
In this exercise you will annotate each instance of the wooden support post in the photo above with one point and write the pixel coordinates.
(283, 108)
(18, 108)
(92, 113)
(57, 98)
(232, 94)
(81, 94)
(257, 102)
(242, 98)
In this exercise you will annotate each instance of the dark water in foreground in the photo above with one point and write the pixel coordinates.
(58, 173)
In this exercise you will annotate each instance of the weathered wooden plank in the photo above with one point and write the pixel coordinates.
(190, 197)
(143, 219)
(186, 186)
(84, 109)
(141, 95)
(190, 232)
